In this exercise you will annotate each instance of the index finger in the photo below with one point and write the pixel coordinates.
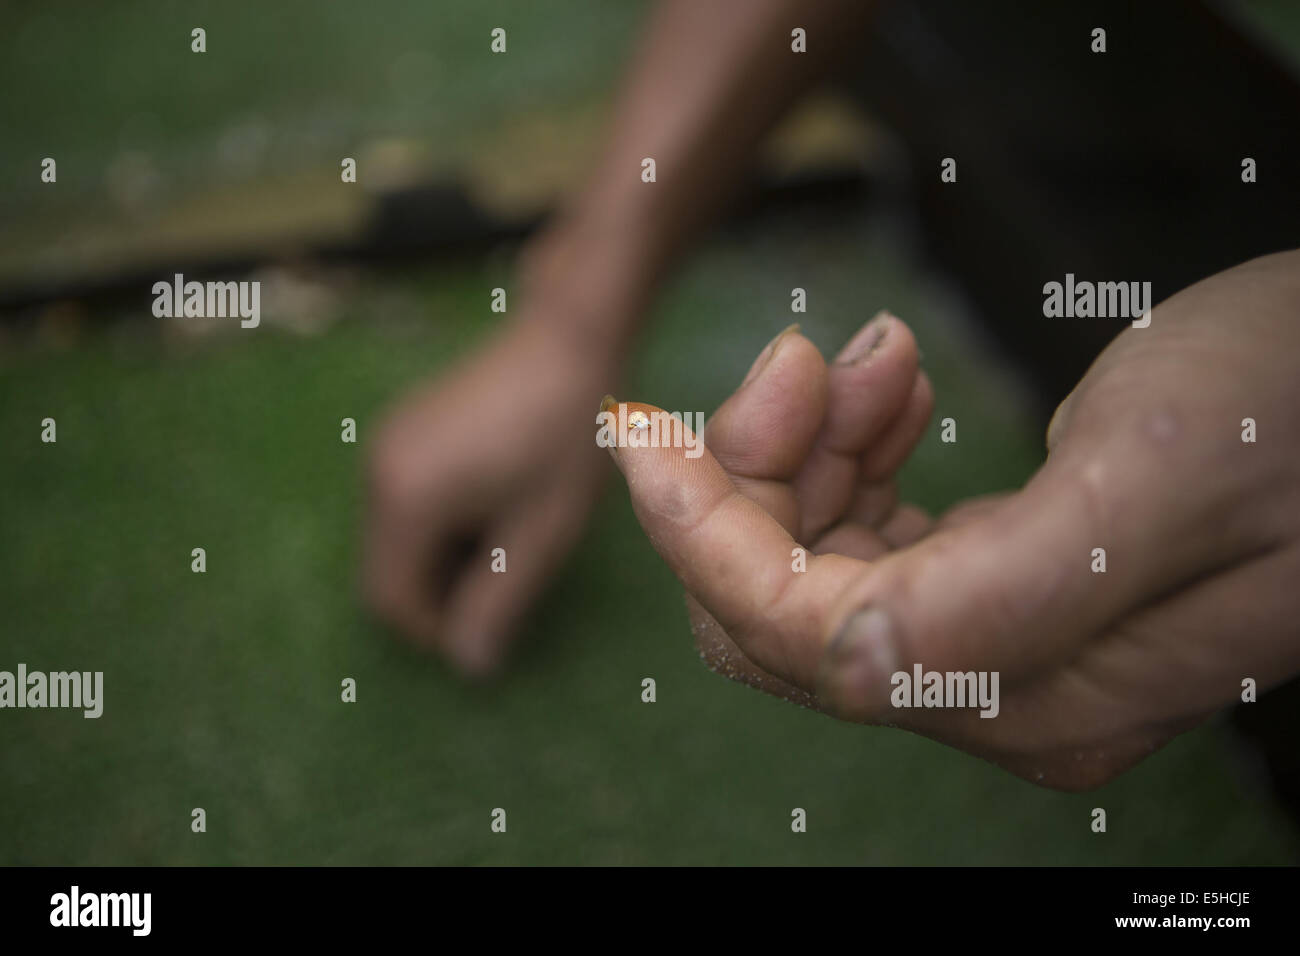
(763, 587)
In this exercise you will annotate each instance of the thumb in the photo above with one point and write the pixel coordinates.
(1021, 588)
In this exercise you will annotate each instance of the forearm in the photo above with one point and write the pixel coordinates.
(710, 78)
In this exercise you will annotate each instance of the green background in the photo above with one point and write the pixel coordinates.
(222, 689)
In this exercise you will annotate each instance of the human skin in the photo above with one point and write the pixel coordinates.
(708, 81)
(1097, 670)
(1145, 459)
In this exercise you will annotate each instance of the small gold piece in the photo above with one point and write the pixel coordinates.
(638, 419)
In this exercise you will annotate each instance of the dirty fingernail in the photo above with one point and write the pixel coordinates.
(858, 666)
(765, 356)
(868, 340)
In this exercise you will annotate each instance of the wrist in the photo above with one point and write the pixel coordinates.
(590, 281)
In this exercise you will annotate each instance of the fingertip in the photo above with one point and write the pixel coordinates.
(868, 340)
(769, 352)
(477, 657)
(766, 427)
(636, 431)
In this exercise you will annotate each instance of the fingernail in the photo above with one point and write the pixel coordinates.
(858, 666)
(868, 340)
(765, 356)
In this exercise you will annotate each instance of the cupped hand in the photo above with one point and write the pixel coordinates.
(461, 468)
(1147, 462)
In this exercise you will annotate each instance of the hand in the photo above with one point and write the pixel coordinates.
(477, 462)
(1201, 533)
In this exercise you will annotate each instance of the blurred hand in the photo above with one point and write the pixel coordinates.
(1201, 533)
(499, 454)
